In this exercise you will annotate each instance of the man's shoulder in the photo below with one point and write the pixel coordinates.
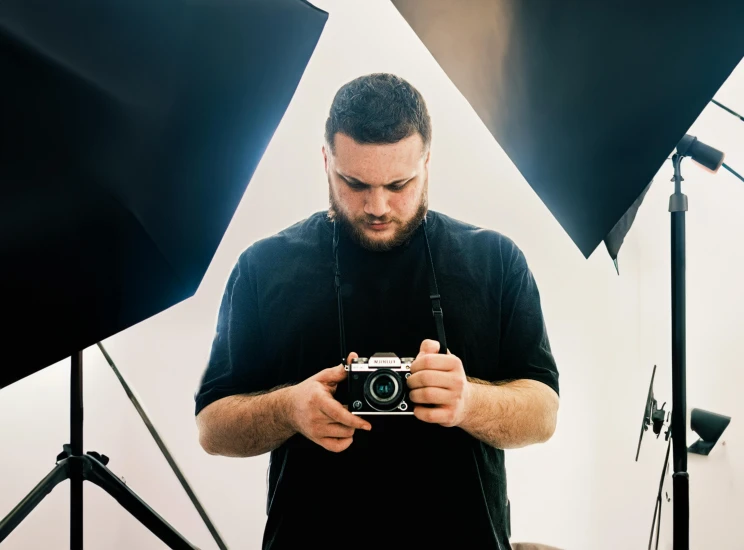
(303, 232)
(481, 248)
(473, 238)
(294, 241)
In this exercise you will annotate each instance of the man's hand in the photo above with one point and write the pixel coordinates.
(438, 381)
(317, 415)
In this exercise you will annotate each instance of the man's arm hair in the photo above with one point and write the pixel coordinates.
(248, 424)
(511, 414)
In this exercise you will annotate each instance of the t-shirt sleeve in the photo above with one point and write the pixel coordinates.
(236, 362)
(525, 347)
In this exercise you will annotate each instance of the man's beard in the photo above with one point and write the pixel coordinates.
(352, 227)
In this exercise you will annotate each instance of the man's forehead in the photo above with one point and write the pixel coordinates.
(385, 161)
(407, 149)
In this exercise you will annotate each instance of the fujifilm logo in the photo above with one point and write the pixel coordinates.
(384, 362)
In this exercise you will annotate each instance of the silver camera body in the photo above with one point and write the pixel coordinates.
(377, 385)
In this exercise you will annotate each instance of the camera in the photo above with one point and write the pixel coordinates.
(377, 385)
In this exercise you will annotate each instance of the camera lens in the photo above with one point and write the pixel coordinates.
(383, 388)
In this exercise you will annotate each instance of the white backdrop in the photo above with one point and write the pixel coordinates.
(582, 490)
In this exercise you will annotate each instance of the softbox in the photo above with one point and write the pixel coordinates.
(588, 99)
(129, 132)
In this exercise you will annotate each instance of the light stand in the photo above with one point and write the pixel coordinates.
(711, 159)
(72, 464)
(681, 482)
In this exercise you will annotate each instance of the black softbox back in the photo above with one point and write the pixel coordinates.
(129, 132)
(587, 99)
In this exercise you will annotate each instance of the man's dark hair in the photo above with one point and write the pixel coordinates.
(378, 108)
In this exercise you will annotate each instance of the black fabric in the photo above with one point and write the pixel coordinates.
(436, 303)
(406, 483)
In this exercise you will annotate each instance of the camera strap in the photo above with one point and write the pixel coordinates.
(436, 305)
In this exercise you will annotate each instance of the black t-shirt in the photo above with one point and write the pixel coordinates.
(406, 483)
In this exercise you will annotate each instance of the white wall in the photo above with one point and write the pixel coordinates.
(582, 490)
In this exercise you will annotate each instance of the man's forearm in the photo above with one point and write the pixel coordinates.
(511, 415)
(246, 425)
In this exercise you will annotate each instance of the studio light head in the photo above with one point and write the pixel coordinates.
(706, 156)
(709, 426)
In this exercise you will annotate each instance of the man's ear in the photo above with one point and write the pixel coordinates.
(325, 159)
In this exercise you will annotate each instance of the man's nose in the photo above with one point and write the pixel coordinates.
(376, 204)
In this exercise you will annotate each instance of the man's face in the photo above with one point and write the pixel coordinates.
(379, 192)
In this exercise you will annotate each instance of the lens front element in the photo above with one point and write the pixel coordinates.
(383, 387)
(384, 390)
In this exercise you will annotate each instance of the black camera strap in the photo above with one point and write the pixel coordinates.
(436, 305)
(337, 274)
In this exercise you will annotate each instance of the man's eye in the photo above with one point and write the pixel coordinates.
(398, 186)
(361, 186)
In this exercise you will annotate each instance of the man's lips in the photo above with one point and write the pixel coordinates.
(379, 226)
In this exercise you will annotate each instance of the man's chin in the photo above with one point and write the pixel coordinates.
(378, 240)
(383, 240)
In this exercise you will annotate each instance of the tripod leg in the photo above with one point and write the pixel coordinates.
(164, 450)
(59, 474)
(96, 472)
